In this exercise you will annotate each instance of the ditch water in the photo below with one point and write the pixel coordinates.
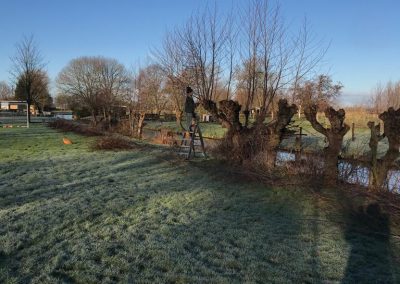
(349, 172)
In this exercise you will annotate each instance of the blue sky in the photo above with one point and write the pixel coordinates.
(364, 35)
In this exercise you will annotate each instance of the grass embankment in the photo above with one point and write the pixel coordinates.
(68, 214)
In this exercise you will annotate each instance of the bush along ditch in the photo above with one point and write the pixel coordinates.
(70, 126)
(104, 142)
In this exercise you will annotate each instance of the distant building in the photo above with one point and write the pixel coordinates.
(16, 106)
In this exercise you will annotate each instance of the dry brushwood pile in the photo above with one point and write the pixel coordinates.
(112, 143)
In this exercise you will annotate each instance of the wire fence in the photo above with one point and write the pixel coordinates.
(18, 119)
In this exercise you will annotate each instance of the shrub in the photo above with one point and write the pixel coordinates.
(113, 143)
(70, 126)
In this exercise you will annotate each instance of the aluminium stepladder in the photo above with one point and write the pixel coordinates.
(192, 140)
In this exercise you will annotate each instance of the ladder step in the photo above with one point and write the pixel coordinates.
(188, 146)
(190, 143)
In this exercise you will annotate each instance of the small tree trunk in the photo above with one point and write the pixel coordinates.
(109, 118)
(331, 160)
(334, 134)
(94, 118)
(380, 168)
(130, 119)
(29, 112)
(276, 129)
(375, 177)
(138, 124)
(178, 115)
(246, 117)
(299, 112)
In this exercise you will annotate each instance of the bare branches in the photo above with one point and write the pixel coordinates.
(273, 60)
(320, 91)
(385, 96)
(196, 53)
(26, 64)
(27, 59)
(96, 82)
(6, 91)
(151, 88)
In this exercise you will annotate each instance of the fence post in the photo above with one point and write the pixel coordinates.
(352, 132)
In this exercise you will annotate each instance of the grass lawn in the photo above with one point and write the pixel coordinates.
(68, 214)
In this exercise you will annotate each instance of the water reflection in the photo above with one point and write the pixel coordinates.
(349, 172)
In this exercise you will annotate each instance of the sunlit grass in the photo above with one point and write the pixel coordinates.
(69, 214)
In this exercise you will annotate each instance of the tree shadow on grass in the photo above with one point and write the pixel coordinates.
(368, 234)
(182, 223)
(34, 180)
(242, 232)
(37, 222)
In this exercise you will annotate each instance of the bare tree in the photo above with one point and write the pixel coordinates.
(175, 90)
(152, 94)
(377, 101)
(62, 102)
(114, 80)
(26, 64)
(132, 99)
(196, 53)
(271, 62)
(385, 96)
(321, 91)
(6, 92)
(98, 83)
(80, 79)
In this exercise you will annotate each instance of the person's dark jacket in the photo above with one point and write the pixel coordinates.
(189, 105)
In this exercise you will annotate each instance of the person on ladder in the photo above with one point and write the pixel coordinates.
(190, 106)
(192, 132)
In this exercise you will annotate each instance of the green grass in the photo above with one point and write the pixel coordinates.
(213, 130)
(68, 214)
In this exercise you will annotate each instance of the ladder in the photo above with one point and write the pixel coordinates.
(191, 141)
